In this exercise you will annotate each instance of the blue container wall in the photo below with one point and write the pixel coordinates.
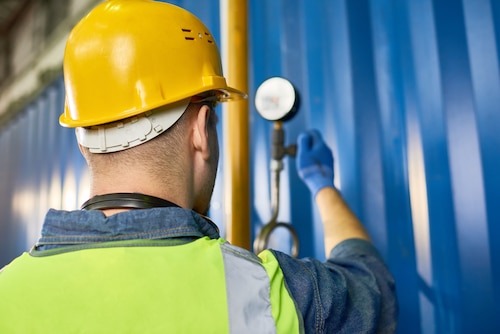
(406, 94)
(41, 168)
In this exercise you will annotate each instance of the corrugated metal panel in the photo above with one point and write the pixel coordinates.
(405, 92)
(40, 168)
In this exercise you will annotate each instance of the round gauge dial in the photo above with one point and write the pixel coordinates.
(276, 99)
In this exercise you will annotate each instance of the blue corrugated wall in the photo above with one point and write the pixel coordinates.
(406, 93)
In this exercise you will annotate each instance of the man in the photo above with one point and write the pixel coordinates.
(142, 79)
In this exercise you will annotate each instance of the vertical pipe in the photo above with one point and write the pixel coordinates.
(234, 33)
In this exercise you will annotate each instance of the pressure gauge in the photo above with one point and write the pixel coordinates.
(276, 99)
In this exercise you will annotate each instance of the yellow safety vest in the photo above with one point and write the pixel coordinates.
(146, 286)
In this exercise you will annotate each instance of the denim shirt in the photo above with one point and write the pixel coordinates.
(352, 292)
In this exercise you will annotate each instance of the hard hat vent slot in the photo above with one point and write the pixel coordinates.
(209, 37)
(191, 37)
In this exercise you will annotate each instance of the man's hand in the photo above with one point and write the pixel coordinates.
(314, 161)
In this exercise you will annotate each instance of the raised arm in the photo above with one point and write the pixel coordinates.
(315, 167)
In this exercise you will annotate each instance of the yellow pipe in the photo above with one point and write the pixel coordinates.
(236, 128)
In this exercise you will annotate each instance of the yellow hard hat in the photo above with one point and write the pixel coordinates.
(127, 57)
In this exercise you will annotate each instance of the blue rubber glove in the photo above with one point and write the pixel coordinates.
(314, 161)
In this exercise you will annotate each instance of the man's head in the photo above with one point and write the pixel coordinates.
(127, 57)
(141, 76)
(179, 165)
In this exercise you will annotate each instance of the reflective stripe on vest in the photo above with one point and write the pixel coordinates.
(206, 286)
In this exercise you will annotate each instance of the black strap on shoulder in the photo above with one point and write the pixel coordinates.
(125, 200)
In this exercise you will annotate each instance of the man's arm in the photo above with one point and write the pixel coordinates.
(315, 168)
(353, 290)
(339, 222)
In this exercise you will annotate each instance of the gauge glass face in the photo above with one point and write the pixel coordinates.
(275, 99)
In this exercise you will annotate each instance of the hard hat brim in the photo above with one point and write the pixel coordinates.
(231, 94)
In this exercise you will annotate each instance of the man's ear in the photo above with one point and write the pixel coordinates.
(201, 129)
(84, 151)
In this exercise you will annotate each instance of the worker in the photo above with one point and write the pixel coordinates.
(142, 80)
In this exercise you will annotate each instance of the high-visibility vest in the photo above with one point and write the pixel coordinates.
(145, 286)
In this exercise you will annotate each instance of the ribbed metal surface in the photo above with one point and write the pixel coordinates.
(405, 92)
(40, 168)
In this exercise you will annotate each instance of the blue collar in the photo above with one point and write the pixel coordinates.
(63, 228)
